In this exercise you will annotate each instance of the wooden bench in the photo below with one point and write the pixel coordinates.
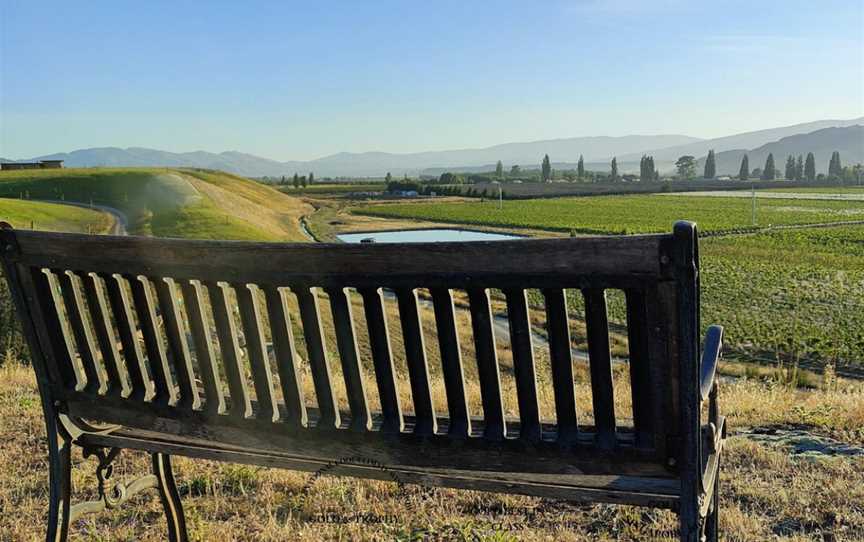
(126, 357)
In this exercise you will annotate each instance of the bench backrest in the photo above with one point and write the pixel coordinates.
(114, 341)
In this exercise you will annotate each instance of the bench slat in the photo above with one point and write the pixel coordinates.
(487, 364)
(117, 380)
(346, 343)
(75, 311)
(451, 361)
(382, 359)
(121, 306)
(286, 357)
(178, 349)
(600, 360)
(226, 331)
(40, 301)
(415, 358)
(456, 264)
(523, 364)
(145, 306)
(407, 448)
(214, 399)
(256, 347)
(310, 315)
(561, 359)
(641, 383)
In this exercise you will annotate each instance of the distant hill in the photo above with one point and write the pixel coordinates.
(370, 163)
(848, 141)
(597, 152)
(745, 140)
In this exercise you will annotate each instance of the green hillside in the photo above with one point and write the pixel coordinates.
(53, 217)
(169, 202)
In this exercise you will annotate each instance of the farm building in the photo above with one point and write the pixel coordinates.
(42, 164)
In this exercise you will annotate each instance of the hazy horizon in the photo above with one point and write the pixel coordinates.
(303, 82)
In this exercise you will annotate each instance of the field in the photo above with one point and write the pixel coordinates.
(51, 217)
(787, 295)
(823, 190)
(624, 214)
(169, 202)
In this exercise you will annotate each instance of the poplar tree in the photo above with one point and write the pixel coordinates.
(546, 168)
(710, 166)
(744, 172)
(296, 181)
(768, 173)
(499, 170)
(614, 169)
(790, 167)
(810, 167)
(799, 168)
(580, 167)
(835, 168)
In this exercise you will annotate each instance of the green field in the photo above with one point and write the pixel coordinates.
(169, 202)
(820, 190)
(624, 214)
(782, 295)
(51, 217)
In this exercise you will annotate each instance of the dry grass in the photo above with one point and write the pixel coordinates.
(767, 493)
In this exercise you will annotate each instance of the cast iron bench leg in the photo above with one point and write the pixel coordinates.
(170, 498)
(59, 472)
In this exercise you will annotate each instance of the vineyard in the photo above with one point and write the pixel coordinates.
(625, 214)
(787, 296)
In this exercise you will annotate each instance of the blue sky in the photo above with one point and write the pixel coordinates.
(299, 80)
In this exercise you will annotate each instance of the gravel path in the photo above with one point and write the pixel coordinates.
(121, 221)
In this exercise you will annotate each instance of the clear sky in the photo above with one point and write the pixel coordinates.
(299, 80)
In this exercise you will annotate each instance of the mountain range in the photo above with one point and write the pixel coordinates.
(820, 137)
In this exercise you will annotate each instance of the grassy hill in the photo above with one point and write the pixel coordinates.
(53, 217)
(188, 203)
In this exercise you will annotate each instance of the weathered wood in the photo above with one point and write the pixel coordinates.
(560, 358)
(523, 364)
(75, 311)
(654, 492)
(641, 383)
(287, 358)
(145, 305)
(449, 264)
(214, 399)
(38, 291)
(65, 330)
(689, 460)
(262, 377)
(117, 380)
(121, 306)
(600, 360)
(175, 332)
(226, 330)
(451, 363)
(346, 343)
(487, 364)
(310, 315)
(382, 359)
(407, 449)
(415, 358)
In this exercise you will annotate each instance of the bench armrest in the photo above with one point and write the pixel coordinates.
(710, 356)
